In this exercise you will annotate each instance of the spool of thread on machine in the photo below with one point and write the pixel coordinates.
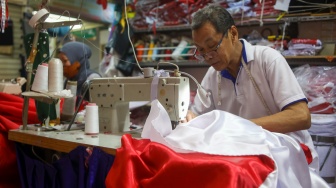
(55, 75)
(41, 78)
(69, 105)
(91, 119)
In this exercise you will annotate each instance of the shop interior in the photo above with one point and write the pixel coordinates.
(132, 44)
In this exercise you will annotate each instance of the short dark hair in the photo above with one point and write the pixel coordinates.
(217, 15)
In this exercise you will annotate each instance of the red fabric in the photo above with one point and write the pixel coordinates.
(103, 3)
(11, 108)
(142, 163)
(323, 108)
(307, 153)
(11, 118)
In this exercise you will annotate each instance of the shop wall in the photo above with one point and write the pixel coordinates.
(10, 61)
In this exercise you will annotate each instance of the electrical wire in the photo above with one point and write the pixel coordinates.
(129, 37)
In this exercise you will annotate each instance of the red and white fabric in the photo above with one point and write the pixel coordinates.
(217, 149)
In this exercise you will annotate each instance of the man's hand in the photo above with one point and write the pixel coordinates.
(190, 116)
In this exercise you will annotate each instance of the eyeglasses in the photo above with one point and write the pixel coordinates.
(210, 54)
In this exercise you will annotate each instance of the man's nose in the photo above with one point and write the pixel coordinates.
(208, 57)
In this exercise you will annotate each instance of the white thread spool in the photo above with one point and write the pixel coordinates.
(69, 105)
(91, 119)
(41, 78)
(148, 72)
(55, 75)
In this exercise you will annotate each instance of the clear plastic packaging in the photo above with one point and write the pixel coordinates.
(319, 85)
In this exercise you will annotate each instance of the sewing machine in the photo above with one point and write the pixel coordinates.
(112, 96)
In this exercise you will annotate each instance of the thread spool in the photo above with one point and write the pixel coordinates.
(176, 55)
(140, 51)
(69, 105)
(91, 119)
(41, 78)
(55, 75)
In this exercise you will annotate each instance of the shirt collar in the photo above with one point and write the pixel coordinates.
(225, 73)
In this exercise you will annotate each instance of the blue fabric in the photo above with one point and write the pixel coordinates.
(33, 172)
(76, 169)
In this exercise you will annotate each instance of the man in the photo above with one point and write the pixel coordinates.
(280, 106)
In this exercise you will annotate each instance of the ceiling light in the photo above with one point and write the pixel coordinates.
(60, 18)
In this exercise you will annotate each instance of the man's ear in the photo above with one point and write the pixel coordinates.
(233, 32)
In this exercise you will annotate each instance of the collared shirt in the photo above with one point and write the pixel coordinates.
(275, 79)
(271, 72)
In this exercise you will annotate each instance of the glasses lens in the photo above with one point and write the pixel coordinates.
(197, 55)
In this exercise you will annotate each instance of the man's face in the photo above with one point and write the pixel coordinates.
(212, 46)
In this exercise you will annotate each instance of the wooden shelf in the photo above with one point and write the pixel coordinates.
(327, 58)
(311, 60)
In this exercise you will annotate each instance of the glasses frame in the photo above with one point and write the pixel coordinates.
(201, 57)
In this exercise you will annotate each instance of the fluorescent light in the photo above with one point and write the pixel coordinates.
(60, 18)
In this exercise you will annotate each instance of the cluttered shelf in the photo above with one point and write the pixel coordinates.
(292, 61)
(173, 43)
(249, 21)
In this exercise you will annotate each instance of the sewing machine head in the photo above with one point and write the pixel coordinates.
(113, 95)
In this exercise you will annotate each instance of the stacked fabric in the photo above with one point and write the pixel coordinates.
(303, 47)
(318, 84)
(323, 132)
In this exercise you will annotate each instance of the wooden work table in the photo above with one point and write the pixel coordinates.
(65, 141)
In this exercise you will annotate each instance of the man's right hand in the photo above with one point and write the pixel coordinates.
(190, 116)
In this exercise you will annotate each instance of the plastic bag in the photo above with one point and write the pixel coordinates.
(319, 85)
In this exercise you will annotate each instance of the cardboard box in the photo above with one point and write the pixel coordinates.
(13, 88)
(328, 49)
(7, 87)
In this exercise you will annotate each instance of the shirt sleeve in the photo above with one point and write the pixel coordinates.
(283, 83)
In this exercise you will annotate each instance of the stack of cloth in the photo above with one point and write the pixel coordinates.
(303, 47)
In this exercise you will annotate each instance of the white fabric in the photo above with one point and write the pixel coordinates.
(223, 133)
(325, 125)
(276, 82)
